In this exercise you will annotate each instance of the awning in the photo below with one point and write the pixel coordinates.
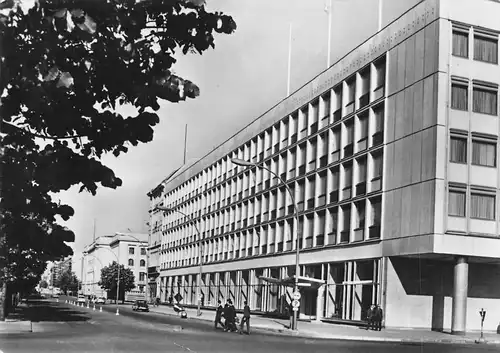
(290, 281)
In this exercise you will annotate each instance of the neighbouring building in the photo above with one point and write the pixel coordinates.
(129, 249)
(58, 268)
(392, 158)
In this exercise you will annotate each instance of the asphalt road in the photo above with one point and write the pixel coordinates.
(72, 329)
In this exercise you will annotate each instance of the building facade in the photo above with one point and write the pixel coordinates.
(58, 268)
(391, 155)
(129, 249)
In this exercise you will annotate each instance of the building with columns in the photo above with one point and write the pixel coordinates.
(128, 249)
(392, 158)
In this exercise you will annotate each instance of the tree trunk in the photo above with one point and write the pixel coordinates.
(3, 300)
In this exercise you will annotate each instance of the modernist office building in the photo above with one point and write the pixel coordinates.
(392, 157)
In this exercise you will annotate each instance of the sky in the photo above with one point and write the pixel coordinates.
(244, 76)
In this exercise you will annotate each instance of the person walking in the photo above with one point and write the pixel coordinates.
(245, 319)
(378, 314)
(218, 315)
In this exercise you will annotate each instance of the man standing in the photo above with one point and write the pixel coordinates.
(229, 314)
(378, 314)
(369, 317)
(218, 315)
(245, 319)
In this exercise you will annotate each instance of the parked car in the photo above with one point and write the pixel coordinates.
(100, 300)
(140, 305)
(81, 299)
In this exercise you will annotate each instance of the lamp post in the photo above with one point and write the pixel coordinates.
(243, 163)
(118, 279)
(200, 254)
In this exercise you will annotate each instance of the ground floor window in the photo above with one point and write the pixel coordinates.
(340, 290)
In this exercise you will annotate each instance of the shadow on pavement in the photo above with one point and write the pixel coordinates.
(46, 311)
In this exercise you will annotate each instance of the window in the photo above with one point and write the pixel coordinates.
(458, 149)
(484, 101)
(484, 153)
(131, 262)
(131, 251)
(379, 79)
(142, 263)
(142, 276)
(486, 48)
(459, 96)
(456, 203)
(460, 43)
(482, 206)
(143, 251)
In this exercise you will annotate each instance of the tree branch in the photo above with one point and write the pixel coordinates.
(35, 134)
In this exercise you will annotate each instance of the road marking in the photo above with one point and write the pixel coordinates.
(180, 345)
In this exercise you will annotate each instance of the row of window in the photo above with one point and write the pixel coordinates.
(481, 202)
(318, 229)
(316, 152)
(309, 192)
(484, 96)
(142, 262)
(131, 251)
(355, 93)
(484, 148)
(485, 43)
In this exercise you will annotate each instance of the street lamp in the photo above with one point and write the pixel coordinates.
(200, 254)
(118, 279)
(243, 163)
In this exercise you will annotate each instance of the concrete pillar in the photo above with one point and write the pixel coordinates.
(460, 284)
(320, 302)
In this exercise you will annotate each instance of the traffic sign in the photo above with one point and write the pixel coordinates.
(295, 308)
(178, 297)
(296, 295)
(295, 303)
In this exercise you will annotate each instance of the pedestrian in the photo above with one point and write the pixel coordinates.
(158, 301)
(378, 314)
(369, 317)
(245, 319)
(218, 315)
(202, 300)
(229, 315)
(170, 299)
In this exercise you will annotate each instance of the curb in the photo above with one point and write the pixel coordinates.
(287, 332)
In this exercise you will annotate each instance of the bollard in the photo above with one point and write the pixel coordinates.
(88, 306)
(100, 309)
(93, 307)
(57, 300)
(117, 312)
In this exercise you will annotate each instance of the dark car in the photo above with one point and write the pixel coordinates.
(140, 305)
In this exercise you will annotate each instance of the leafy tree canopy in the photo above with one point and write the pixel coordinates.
(68, 281)
(66, 68)
(109, 277)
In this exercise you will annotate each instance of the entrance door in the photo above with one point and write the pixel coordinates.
(308, 304)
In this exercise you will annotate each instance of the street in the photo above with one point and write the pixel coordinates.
(74, 329)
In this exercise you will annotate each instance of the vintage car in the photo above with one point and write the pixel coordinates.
(140, 305)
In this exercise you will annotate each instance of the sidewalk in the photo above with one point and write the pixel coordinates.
(341, 332)
(17, 321)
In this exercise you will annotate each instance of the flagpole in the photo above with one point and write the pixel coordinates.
(289, 60)
(329, 10)
(380, 2)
